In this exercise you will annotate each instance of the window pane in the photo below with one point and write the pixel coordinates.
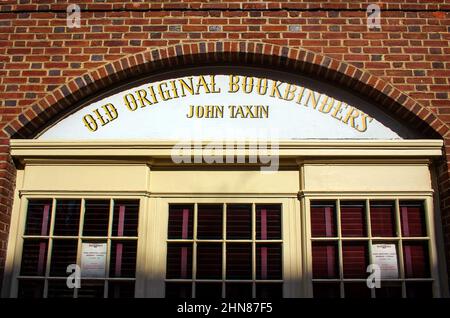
(419, 290)
(353, 222)
(118, 289)
(96, 218)
(413, 218)
(239, 261)
(326, 290)
(91, 289)
(324, 257)
(208, 290)
(389, 290)
(268, 222)
(238, 290)
(357, 290)
(416, 259)
(64, 253)
(38, 217)
(67, 217)
(58, 289)
(209, 261)
(239, 221)
(125, 219)
(209, 223)
(382, 218)
(178, 290)
(323, 219)
(179, 261)
(123, 259)
(268, 261)
(30, 288)
(34, 257)
(269, 290)
(180, 221)
(355, 259)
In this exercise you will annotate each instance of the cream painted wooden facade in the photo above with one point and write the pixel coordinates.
(327, 169)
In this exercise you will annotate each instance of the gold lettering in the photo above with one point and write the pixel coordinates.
(326, 107)
(233, 84)
(152, 92)
(264, 111)
(262, 86)
(142, 97)
(191, 113)
(90, 123)
(365, 120)
(202, 83)
(165, 94)
(174, 89)
(219, 112)
(351, 116)
(100, 117)
(133, 101)
(213, 84)
(186, 86)
(213, 111)
(111, 111)
(248, 112)
(194, 85)
(300, 95)
(312, 97)
(276, 89)
(200, 111)
(247, 87)
(209, 111)
(289, 92)
(337, 110)
(232, 109)
(240, 112)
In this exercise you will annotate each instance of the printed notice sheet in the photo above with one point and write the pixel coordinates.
(385, 256)
(93, 260)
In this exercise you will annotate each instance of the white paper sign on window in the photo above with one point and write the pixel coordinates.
(93, 260)
(385, 256)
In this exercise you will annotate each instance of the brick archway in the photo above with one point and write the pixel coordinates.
(66, 97)
(305, 62)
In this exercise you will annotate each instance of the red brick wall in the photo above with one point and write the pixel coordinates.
(39, 54)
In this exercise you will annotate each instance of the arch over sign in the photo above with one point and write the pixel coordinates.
(221, 103)
(68, 96)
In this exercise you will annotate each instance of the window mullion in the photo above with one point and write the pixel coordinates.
(224, 252)
(80, 241)
(253, 250)
(108, 247)
(340, 256)
(194, 249)
(400, 246)
(50, 247)
(369, 235)
(432, 257)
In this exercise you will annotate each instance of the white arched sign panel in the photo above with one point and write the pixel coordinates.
(228, 106)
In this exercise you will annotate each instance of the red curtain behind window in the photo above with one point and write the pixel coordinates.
(353, 222)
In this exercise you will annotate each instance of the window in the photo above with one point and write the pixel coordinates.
(53, 239)
(343, 234)
(224, 250)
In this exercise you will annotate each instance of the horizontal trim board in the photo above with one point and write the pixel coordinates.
(160, 149)
(133, 194)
